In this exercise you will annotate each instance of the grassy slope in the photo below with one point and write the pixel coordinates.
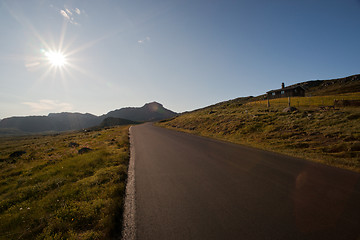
(52, 192)
(348, 84)
(331, 137)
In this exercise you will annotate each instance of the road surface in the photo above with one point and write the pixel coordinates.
(190, 187)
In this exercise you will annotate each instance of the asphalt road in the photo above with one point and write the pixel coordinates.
(190, 187)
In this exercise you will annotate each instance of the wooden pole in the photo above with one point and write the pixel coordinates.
(268, 102)
(289, 101)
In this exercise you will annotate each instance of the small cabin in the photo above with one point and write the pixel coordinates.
(291, 91)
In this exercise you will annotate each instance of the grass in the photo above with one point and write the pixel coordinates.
(53, 192)
(330, 136)
(315, 101)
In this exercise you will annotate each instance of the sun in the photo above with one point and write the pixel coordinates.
(57, 59)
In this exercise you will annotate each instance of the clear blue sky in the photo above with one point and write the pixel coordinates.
(184, 54)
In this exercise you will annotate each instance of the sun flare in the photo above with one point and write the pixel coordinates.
(57, 59)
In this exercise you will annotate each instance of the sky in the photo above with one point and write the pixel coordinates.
(96, 56)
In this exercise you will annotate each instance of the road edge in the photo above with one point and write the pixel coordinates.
(129, 227)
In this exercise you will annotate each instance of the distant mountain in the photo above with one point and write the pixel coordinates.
(111, 121)
(149, 112)
(53, 122)
(57, 122)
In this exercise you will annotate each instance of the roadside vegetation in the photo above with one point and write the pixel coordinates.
(315, 131)
(63, 186)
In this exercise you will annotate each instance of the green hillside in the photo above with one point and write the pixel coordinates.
(315, 131)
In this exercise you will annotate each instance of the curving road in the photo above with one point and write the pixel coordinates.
(190, 187)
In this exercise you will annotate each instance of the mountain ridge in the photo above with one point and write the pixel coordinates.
(152, 111)
(67, 121)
